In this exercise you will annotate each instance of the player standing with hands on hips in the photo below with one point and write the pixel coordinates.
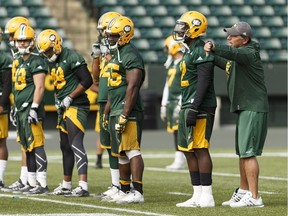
(249, 101)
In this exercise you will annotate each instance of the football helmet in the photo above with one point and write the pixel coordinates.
(12, 25)
(105, 19)
(25, 33)
(191, 24)
(120, 31)
(49, 44)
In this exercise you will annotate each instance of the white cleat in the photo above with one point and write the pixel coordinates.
(248, 201)
(132, 197)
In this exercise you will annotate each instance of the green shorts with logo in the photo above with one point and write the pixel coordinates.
(251, 131)
(198, 137)
(130, 139)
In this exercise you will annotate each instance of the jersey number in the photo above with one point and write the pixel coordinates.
(20, 83)
(183, 72)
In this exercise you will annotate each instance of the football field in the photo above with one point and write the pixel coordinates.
(162, 188)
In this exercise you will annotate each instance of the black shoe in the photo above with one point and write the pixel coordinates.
(1, 184)
(98, 165)
(78, 192)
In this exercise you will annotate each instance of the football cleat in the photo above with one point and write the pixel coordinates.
(131, 197)
(236, 197)
(61, 190)
(248, 201)
(16, 186)
(77, 192)
(113, 189)
(37, 190)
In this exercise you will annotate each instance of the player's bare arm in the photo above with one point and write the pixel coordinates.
(134, 78)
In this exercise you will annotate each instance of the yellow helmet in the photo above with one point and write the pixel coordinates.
(120, 31)
(191, 24)
(25, 33)
(105, 19)
(48, 40)
(14, 23)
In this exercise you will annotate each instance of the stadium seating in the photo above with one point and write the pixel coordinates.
(155, 20)
(39, 15)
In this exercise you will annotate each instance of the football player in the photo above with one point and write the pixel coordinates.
(101, 56)
(5, 90)
(127, 74)
(28, 98)
(10, 28)
(198, 107)
(171, 98)
(71, 79)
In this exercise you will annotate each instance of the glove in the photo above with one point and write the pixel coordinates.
(66, 102)
(163, 113)
(33, 116)
(176, 112)
(191, 117)
(96, 52)
(12, 116)
(105, 122)
(120, 126)
(104, 50)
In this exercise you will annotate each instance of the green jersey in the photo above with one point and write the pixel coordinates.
(5, 79)
(121, 63)
(63, 76)
(24, 85)
(189, 76)
(245, 76)
(103, 81)
(174, 77)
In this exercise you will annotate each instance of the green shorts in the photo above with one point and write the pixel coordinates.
(78, 115)
(190, 138)
(251, 131)
(130, 139)
(172, 123)
(30, 136)
(104, 134)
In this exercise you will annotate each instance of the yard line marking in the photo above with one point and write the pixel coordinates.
(86, 205)
(215, 173)
(189, 194)
(63, 214)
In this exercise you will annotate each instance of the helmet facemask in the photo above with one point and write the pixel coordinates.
(25, 33)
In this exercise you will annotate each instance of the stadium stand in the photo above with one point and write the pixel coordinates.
(39, 16)
(155, 19)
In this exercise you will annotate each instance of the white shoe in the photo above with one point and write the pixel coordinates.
(132, 197)
(248, 201)
(114, 198)
(175, 166)
(113, 189)
(179, 162)
(190, 203)
(206, 200)
(236, 197)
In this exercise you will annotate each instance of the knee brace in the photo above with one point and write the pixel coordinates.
(132, 153)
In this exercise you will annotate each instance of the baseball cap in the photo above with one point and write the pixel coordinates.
(240, 28)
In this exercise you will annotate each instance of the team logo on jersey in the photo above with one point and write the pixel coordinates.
(196, 22)
(127, 28)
